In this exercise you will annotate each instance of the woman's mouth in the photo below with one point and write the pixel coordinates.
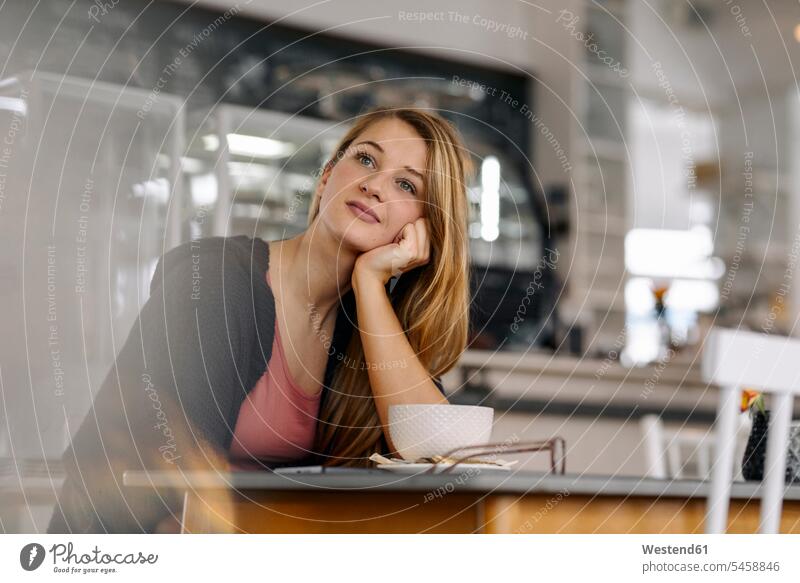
(362, 212)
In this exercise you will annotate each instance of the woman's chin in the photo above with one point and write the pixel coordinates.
(360, 239)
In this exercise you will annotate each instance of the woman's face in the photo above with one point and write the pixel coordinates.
(382, 172)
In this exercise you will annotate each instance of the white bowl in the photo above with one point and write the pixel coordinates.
(427, 430)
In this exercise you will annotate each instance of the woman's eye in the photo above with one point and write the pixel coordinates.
(362, 157)
(407, 186)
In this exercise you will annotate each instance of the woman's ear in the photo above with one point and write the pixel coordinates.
(323, 180)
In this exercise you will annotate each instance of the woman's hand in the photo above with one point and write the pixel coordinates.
(383, 338)
(410, 249)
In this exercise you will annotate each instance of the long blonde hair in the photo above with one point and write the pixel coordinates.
(431, 302)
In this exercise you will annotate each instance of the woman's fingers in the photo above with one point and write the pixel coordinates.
(403, 254)
(413, 239)
(423, 244)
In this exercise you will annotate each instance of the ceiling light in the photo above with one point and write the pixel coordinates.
(251, 146)
(258, 147)
(490, 198)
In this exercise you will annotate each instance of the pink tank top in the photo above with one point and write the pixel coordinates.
(278, 419)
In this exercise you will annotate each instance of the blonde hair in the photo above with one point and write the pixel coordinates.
(431, 302)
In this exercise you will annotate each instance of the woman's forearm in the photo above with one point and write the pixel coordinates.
(395, 373)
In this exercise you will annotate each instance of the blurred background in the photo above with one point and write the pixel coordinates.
(634, 188)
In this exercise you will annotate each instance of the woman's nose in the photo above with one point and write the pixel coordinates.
(372, 187)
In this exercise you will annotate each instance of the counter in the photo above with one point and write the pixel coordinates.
(469, 501)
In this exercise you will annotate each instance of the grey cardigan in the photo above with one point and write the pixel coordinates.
(199, 345)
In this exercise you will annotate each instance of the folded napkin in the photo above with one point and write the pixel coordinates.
(437, 459)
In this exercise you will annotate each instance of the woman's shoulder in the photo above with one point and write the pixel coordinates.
(216, 287)
(220, 282)
(212, 261)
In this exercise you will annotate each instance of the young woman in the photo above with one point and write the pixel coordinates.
(289, 351)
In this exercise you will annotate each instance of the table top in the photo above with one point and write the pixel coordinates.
(464, 481)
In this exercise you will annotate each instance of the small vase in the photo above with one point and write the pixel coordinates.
(756, 451)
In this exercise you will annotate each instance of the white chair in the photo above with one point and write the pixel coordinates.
(733, 359)
(668, 452)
